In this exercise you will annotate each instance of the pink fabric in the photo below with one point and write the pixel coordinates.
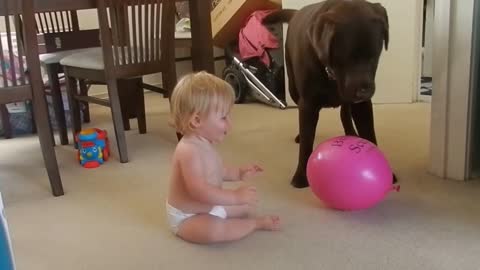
(254, 38)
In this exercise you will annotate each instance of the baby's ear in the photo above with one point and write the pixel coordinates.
(195, 120)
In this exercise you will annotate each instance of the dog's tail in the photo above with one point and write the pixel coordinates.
(282, 15)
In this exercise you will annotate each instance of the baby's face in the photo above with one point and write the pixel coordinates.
(215, 126)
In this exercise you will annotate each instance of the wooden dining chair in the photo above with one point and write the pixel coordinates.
(137, 39)
(5, 116)
(22, 81)
(59, 35)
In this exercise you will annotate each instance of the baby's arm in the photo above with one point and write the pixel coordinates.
(194, 178)
(241, 173)
(231, 174)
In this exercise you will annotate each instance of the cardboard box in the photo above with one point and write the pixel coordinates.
(228, 17)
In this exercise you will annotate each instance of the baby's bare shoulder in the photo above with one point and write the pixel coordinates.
(186, 150)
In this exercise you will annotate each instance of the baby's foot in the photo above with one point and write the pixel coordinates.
(268, 223)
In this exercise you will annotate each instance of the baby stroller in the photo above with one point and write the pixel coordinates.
(252, 78)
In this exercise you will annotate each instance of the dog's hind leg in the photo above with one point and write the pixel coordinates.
(347, 123)
(291, 84)
(295, 97)
(308, 118)
(292, 87)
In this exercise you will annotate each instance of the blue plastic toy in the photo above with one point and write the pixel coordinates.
(6, 255)
(93, 147)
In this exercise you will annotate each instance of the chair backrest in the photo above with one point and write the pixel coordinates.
(60, 30)
(15, 82)
(137, 35)
(12, 56)
(56, 22)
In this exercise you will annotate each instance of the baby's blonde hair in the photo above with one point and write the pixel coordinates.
(199, 93)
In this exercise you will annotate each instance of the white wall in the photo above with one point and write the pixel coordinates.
(398, 75)
(88, 19)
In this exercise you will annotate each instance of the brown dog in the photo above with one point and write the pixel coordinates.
(332, 51)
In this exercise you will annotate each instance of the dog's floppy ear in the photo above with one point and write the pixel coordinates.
(320, 34)
(382, 12)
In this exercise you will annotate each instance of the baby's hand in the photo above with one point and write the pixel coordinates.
(247, 195)
(249, 171)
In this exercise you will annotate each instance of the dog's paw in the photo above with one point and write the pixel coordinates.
(297, 139)
(395, 180)
(299, 180)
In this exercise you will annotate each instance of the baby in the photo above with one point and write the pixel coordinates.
(199, 210)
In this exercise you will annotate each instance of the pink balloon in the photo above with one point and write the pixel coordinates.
(349, 173)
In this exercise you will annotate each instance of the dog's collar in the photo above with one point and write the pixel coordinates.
(330, 73)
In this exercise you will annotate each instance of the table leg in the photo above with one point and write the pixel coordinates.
(202, 49)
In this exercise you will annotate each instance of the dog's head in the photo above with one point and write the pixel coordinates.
(348, 39)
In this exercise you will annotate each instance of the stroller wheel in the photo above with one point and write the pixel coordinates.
(237, 80)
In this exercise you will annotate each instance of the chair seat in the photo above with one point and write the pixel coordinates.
(91, 58)
(183, 35)
(53, 58)
(183, 39)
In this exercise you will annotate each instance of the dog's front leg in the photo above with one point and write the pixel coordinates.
(308, 117)
(362, 114)
(346, 117)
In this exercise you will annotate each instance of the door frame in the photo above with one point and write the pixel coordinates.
(451, 108)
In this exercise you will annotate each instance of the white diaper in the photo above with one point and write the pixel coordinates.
(176, 216)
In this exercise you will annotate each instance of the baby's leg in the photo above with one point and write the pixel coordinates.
(208, 229)
(239, 211)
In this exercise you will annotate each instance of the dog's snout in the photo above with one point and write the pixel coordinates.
(364, 93)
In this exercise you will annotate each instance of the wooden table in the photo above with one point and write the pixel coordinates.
(202, 45)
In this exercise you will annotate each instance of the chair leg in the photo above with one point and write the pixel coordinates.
(45, 136)
(34, 127)
(86, 106)
(7, 128)
(125, 119)
(52, 71)
(73, 105)
(124, 91)
(117, 119)
(169, 79)
(140, 107)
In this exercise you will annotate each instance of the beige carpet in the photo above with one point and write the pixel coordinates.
(113, 217)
